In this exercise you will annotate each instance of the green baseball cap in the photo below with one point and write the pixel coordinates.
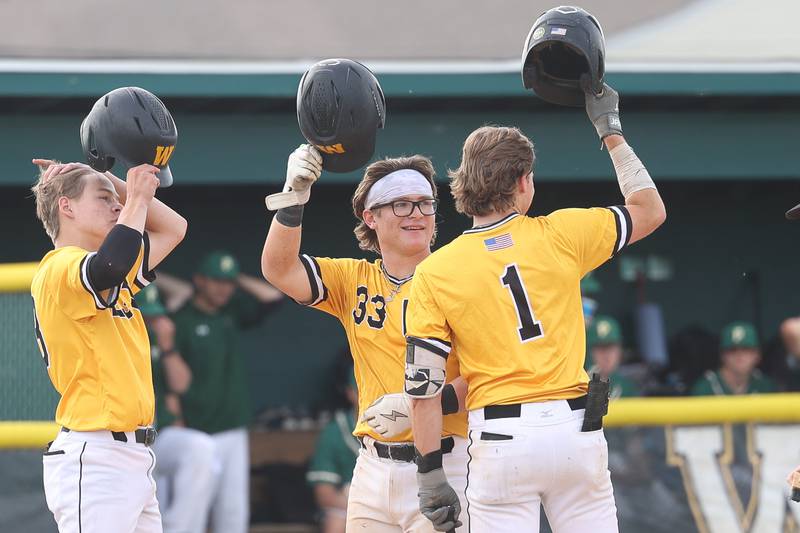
(149, 301)
(603, 331)
(738, 335)
(219, 265)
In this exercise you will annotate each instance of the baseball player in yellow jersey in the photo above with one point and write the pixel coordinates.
(505, 298)
(395, 204)
(108, 236)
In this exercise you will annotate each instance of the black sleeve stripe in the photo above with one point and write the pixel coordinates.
(99, 302)
(144, 276)
(619, 233)
(430, 346)
(318, 272)
(318, 292)
(628, 223)
(622, 220)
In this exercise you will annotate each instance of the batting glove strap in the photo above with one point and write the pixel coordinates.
(603, 111)
(291, 217)
(429, 462)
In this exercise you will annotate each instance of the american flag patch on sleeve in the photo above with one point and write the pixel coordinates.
(499, 242)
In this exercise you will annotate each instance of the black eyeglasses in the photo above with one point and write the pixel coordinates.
(404, 208)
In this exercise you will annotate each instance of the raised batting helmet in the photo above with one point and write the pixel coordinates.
(340, 107)
(130, 126)
(565, 50)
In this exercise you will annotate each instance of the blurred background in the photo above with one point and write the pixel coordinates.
(710, 101)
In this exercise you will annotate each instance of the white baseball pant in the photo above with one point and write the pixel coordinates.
(94, 483)
(185, 477)
(230, 507)
(383, 493)
(546, 461)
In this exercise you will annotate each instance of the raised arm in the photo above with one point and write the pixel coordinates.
(164, 226)
(174, 291)
(259, 289)
(280, 259)
(642, 200)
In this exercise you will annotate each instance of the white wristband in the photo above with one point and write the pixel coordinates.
(631, 173)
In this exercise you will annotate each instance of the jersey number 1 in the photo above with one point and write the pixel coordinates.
(529, 328)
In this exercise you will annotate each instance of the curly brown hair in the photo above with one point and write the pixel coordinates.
(366, 236)
(492, 160)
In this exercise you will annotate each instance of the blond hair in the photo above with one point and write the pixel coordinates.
(366, 236)
(47, 194)
(492, 161)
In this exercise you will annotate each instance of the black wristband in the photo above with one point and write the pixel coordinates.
(428, 462)
(290, 216)
(449, 400)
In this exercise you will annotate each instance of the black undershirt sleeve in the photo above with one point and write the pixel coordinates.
(115, 258)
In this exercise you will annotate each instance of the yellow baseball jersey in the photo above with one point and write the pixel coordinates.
(507, 298)
(371, 306)
(94, 344)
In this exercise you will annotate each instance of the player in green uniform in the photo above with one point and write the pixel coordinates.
(604, 339)
(331, 468)
(207, 332)
(185, 467)
(739, 356)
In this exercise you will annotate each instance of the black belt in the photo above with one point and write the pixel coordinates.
(514, 410)
(146, 436)
(405, 452)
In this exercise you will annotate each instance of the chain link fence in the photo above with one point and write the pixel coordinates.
(25, 390)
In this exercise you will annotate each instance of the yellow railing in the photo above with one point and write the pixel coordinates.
(677, 411)
(26, 434)
(16, 277)
(705, 410)
(702, 410)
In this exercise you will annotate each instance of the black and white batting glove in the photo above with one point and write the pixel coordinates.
(438, 502)
(603, 111)
(302, 170)
(389, 415)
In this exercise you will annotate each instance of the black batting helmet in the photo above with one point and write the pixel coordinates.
(564, 51)
(340, 107)
(131, 126)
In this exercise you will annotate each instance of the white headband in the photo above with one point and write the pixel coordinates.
(403, 182)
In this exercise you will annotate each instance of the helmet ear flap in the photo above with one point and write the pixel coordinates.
(97, 161)
(100, 164)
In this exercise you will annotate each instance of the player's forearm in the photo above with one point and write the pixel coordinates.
(330, 496)
(133, 214)
(259, 289)
(612, 141)
(281, 252)
(160, 219)
(644, 203)
(426, 423)
(174, 291)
